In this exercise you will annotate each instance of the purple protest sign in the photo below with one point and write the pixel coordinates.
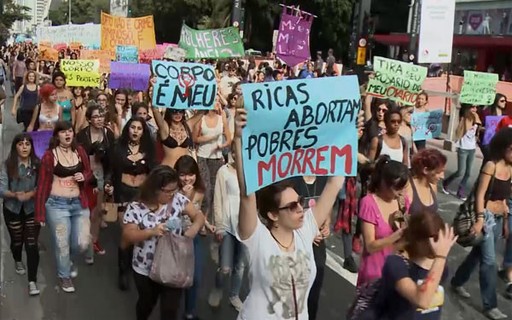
(293, 37)
(41, 140)
(491, 122)
(129, 76)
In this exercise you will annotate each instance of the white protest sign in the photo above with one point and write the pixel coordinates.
(175, 54)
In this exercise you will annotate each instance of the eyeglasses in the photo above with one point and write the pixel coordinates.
(383, 110)
(395, 121)
(294, 206)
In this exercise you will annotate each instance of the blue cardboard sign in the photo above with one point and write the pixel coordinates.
(128, 54)
(181, 85)
(426, 125)
(300, 127)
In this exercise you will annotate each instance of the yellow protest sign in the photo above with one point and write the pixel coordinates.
(81, 73)
(104, 56)
(139, 32)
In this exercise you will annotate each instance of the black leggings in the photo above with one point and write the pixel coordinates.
(149, 292)
(320, 255)
(24, 230)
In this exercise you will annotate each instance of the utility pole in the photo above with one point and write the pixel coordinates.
(69, 11)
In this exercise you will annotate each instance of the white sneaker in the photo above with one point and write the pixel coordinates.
(74, 271)
(89, 260)
(215, 297)
(33, 290)
(19, 267)
(236, 303)
(495, 314)
(67, 285)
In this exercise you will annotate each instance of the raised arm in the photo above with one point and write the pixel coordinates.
(248, 215)
(163, 128)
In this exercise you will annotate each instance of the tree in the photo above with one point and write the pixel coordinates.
(10, 14)
(82, 11)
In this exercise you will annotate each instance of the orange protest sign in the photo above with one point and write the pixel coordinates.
(75, 45)
(45, 44)
(139, 32)
(60, 46)
(47, 53)
(104, 56)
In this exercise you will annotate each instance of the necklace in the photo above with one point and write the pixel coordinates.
(133, 143)
(69, 161)
(285, 247)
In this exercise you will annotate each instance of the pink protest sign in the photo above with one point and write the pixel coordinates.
(293, 37)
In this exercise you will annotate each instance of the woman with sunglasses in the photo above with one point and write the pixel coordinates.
(282, 266)
(390, 143)
(132, 159)
(18, 188)
(98, 142)
(61, 200)
(379, 211)
(143, 223)
(175, 134)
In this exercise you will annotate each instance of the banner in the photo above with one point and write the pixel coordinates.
(81, 73)
(436, 31)
(491, 122)
(41, 141)
(396, 80)
(478, 88)
(214, 43)
(184, 85)
(128, 54)
(139, 32)
(48, 54)
(293, 38)
(298, 128)
(88, 35)
(175, 54)
(426, 125)
(103, 56)
(129, 75)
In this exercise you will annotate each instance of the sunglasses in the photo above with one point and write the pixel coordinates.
(503, 100)
(382, 110)
(294, 206)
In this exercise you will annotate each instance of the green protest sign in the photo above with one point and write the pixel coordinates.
(396, 80)
(213, 43)
(478, 88)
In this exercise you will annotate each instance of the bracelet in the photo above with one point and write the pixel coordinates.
(437, 256)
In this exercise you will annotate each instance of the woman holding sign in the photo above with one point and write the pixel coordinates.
(282, 266)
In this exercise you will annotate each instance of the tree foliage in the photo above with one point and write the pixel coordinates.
(82, 11)
(11, 13)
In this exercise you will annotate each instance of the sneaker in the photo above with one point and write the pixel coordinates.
(495, 314)
(89, 261)
(461, 196)
(98, 249)
(350, 265)
(461, 291)
(33, 290)
(74, 271)
(215, 297)
(356, 245)
(19, 267)
(236, 303)
(508, 290)
(67, 285)
(443, 188)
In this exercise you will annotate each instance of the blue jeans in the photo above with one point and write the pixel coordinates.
(191, 293)
(485, 255)
(70, 228)
(233, 256)
(464, 165)
(507, 258)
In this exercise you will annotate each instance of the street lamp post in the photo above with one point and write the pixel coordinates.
(69, 11)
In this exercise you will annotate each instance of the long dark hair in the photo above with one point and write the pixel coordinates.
(61, 126)
(146, 144)
(158, 178)
(494, 106)
(392, 173)
(168, 118)
(11, 163)
(187, 165)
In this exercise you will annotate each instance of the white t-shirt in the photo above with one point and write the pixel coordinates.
(468, 141)
(271, 272)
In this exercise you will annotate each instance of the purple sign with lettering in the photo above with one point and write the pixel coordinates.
(133, 76)
(293, 38)
(41, 140)
(491, 122)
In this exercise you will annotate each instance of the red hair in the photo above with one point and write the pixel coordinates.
(430, 159)
(46, 90)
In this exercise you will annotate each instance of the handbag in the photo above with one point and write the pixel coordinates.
(466, 217)
(173, 261)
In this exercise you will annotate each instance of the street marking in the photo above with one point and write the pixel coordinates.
(333, 262)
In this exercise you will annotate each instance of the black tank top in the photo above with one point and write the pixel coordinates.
(417, 206)
(28, 98)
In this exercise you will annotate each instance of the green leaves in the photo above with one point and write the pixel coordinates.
(11, 13)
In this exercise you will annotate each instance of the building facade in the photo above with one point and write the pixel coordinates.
(39, 10)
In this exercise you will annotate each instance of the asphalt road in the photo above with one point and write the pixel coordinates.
(97, 296)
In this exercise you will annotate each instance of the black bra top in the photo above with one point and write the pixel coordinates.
(64, 172)
(135, 168)
(171, 143)
(500, 190)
